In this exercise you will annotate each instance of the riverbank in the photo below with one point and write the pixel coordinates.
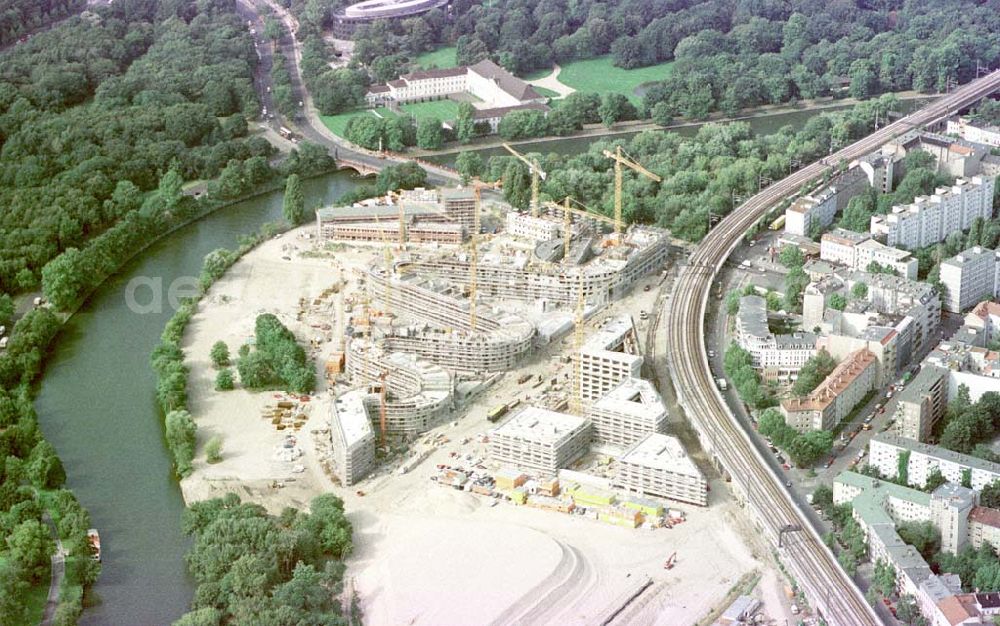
(597, 131)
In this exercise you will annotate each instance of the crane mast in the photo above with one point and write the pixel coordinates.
(620, 160)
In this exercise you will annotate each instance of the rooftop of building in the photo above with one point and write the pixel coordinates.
(955, 495)
(965, 356)
(971, 255)
(540, 425)
(369, 211)
(892, 439)
(796, 341)
(445, 72)
(958, 609)
(817, 267)
(940, 586)
(752, 316)
(985, 516)
(881, 248)
(985, 309)
(845, 237)
(915, 289)
(505, 80)
(351, 417)
(493, 112)
(610, 334)
(875, 485)
(922, 384)
(634, 396)
(661, 452)
(842, 377)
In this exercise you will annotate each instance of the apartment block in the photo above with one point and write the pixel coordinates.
(930, 219)
(895, 295)
(985, 318)
(657, 465)
(628, 413)
(975, 367)
(885, 450)
(922, 403)
(969, 277)
(951, 505)
(608, 358)
(840, 246)
(352, 437)
(984, 527)
(817, 210)
(835, 397)
(973, 131)
(540, 441)
(777, 356)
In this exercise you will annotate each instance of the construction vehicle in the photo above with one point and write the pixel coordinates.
(536, 175)
(671, 561)
(625, 160)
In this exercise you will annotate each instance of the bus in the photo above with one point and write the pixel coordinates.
(496, 412)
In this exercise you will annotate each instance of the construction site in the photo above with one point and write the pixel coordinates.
(487, 386)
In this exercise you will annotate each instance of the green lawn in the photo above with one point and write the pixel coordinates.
(440, 58)
(337, 123)
(441, 109)
(601, 76)
(536, 74)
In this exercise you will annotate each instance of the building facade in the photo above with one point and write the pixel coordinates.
(608, 358)
(970, 277)
(540, 441)
(922, 403)
(885, 450)
(628, 413)
(352, 437)
(657, 465)
(777, 356)
(835, 397)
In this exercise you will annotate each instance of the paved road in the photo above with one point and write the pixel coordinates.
(58, 571)
(723, 436)
(308, 122)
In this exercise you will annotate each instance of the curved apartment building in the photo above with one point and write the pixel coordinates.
(442, 333)
(346, 21)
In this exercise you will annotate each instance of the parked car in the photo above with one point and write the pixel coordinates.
(786, 466)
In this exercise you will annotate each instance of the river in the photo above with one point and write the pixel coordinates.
(97, 406)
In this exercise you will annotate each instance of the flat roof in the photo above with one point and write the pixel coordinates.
(351, 416)
(752, 316)
(635, 396)
(383, 211)
(541, 425)
(971, 255)
(610, 333)
(893, 439)
(663, 452)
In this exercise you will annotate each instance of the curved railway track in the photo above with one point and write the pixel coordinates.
(826, 584)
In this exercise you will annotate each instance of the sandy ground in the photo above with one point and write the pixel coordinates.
(427, 554)
(551, 81)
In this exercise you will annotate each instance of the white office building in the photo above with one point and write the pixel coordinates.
(657, 465)
(540, 441)
(608, 358)
(628, 413)
(930, 219)
(970, 277)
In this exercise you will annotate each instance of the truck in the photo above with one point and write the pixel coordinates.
(496, 413)
(721, 382)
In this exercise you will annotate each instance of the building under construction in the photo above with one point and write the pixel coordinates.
(434, 322)
(609, 357)
(352, 435)
(417, 215)
(413, 395)
(604, 272)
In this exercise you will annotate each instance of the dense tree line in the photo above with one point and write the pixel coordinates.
(254, 568)
(738, 368)
(276, 360)
(702, 175)
(406, 175)
(86, 130)
(19, 18)
(805, 449)
(813, 372)
(968, 423)
(31, 481)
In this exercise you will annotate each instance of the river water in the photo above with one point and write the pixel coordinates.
(97, 406)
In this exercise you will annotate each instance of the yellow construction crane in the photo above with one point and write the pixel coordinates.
(620, 160)
(477, 188)
(536, 174)
(568, 213)
(576, 395)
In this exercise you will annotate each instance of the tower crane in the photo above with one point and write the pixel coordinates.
(536, 174)
(477, 188)
(627, 161)
(396, 196)
(568, 213)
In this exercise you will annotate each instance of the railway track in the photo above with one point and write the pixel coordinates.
(760, 489)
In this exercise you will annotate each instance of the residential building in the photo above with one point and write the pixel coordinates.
(886, 449)
(534, 229)
(900, 261)
(922, 403)
(835, 397)
(815, 298)
(608, 358)
(895, 295)
(951, 504)
(777, 356)
(969, 277)
(930, 219)
(975, 367)
(352, 437)
(985, 318)
(973, 131)
(656, 465)
(984, 527)
(881, 341)
(817, 209)
(540, 441)
(840, 246)
(628, 413)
